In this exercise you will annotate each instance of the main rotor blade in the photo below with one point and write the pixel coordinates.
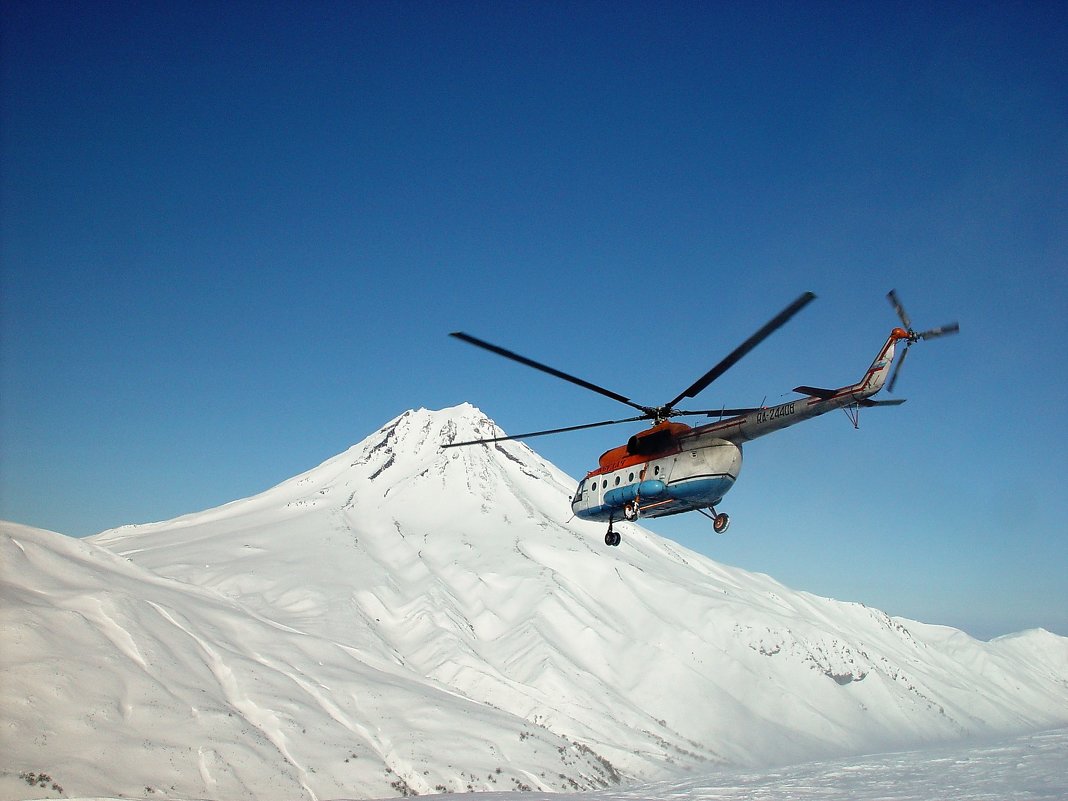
(542, 433)
(481, 343)
(952, 328)
(776, 322)
(897, 369)
(892, 297)
(717, 412)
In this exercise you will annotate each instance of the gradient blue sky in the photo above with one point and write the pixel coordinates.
(235, 236)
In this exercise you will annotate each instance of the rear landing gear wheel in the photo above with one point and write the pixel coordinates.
(632, 511)
(720, 522)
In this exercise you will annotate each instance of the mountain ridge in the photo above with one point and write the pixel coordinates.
(461, 572)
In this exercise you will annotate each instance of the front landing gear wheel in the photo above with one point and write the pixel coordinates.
(720, 522)
(632, 511)
(612, 538)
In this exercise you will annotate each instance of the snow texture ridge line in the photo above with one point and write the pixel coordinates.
(405, 619)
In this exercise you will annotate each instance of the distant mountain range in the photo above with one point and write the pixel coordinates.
(403, 619)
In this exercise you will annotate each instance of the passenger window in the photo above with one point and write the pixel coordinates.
(631, 477)
(617, 481)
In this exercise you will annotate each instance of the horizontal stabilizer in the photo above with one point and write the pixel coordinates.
(893, 402)
(817, 391)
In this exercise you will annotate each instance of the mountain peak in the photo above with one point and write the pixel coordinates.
(417, 429)
(409, 450)
(398, 464)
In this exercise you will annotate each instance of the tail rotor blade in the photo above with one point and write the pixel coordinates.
(892, 297)
(952, 328)
(911, 337)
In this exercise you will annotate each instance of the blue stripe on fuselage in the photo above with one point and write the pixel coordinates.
(702, 490)
(694, 492)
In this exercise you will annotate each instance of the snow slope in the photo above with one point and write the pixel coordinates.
(118, 681)
(402, 618)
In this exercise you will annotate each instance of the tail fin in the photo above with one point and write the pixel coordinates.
(872, 381)
(880, 368)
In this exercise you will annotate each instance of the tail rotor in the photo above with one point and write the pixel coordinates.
(910, 336)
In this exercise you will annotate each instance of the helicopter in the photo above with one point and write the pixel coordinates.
(672, 467)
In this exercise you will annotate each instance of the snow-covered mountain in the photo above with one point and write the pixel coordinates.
(407, 619)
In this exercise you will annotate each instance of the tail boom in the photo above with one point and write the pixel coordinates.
(818, 401)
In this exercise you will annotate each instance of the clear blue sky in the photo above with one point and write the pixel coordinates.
(235, 237)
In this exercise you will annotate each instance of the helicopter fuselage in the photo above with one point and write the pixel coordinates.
(673, 468)
(694, 473)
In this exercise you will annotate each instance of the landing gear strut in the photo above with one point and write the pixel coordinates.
(612, 538)
(631, 511)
